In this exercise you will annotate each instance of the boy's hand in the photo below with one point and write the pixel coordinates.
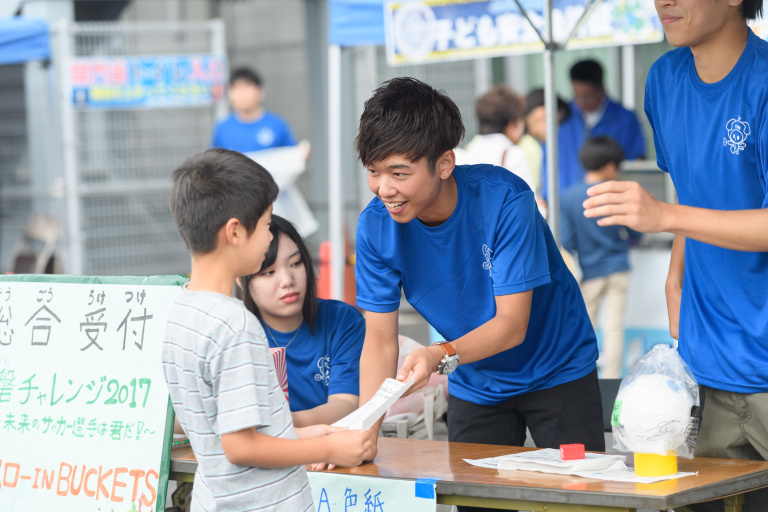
(421, 364)
(313, 431)
(625, 203)
(349, 448)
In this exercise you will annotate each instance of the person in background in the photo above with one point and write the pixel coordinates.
(250, 127)
(500, 125)
(215, 355)
(593, 113)
(706, 101)
(535, 135)
(322, 338)
(602, 251)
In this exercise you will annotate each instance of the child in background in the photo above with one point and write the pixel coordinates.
(322, 338)
(216, 360)
(602, 251)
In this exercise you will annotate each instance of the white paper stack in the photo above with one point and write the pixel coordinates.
(367, 415)
(549, 461)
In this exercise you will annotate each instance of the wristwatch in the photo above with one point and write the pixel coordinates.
(450, 360)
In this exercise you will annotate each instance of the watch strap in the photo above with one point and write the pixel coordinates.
(447, 348)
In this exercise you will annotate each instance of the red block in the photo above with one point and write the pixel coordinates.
(571, 451)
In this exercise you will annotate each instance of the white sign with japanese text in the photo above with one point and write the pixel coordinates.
(333, 492)
(84, 408)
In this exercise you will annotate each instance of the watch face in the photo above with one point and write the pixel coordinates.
(449, 364)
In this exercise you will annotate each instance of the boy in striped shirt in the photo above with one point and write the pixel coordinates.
(216, 358)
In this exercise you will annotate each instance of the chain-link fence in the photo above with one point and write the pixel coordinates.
(118, 161)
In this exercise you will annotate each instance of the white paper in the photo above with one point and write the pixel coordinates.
(549, 461)
(367, 415)
(617, 472)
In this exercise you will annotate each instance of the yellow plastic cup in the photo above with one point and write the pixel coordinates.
(650, 464)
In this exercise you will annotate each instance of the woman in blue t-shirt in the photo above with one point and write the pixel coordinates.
(322, 338)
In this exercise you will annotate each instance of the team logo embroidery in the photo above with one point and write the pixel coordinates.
(265, 137)
(324, 367)
(738, 131)
(487, 252)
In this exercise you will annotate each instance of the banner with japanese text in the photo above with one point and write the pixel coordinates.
(439, 30)
(85, 416)
(147, 82)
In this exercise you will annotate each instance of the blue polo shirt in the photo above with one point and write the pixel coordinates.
(494, 243)
(617, 122)
(713, 141)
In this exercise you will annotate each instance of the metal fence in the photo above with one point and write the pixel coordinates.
(117, 162)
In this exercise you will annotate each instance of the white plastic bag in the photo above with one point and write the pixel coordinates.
(657, 406)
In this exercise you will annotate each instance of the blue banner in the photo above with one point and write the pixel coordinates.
(147, 82)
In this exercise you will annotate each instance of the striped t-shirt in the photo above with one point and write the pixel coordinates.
(221, 378)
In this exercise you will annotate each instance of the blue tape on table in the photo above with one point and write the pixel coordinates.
(425, 488)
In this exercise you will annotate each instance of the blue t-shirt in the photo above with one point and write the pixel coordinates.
(270, 131)
(617, 122)
(494, 243)
(326, 363)
(602, 250)
(713, 141)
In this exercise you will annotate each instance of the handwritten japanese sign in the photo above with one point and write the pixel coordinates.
(85, 418)
(334, 492)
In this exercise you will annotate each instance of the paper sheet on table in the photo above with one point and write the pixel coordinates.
(618, 472)
(548, 461)
(367, 415)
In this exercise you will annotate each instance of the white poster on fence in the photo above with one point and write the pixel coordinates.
(334, 492)
(84, 409)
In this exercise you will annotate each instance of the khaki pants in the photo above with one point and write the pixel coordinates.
(734, 426)
(612, 288)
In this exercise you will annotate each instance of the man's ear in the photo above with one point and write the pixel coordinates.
(445, 164)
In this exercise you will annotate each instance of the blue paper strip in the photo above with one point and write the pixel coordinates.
(425, 488)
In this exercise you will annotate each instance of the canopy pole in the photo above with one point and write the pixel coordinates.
(550, 104)
(335, 206)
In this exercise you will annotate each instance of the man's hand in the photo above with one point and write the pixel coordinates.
(626, 203)
(421, 364)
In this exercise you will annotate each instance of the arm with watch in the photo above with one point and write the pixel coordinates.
(502, 332)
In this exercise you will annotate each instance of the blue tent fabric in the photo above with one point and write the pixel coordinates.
(356, 22)
(23, 39)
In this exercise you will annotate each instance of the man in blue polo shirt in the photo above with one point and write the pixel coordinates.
(473, 255)
(706, 102)
(593, 114)
(250, 127)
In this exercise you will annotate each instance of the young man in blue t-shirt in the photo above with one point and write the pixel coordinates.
(706, 102)
(473, 255)
(250, 127)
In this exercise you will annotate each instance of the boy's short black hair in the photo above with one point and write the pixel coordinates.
(281, 226)
(210, 188)
(246, 74)
(589, 71)
(751, 9)
(408, 117)
(600, 151)
(497, 108)
(535, 99)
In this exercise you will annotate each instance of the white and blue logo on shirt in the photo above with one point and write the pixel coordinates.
(487, 252)
(738, 131)
(265, 137)
(324, 370)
